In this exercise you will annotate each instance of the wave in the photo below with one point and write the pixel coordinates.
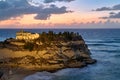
(104, 44)
(117, 56)
(104, 41)
(51, 76)
(40, 76)
(108, 51)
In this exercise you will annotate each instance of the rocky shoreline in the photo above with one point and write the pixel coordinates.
(50, 52)
(34, 59)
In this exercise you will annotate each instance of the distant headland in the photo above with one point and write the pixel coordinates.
(46, 51)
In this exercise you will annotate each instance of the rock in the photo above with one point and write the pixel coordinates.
(77, 64)
(68, 53)
(91, 61)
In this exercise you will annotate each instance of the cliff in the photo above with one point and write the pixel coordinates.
(56, 51)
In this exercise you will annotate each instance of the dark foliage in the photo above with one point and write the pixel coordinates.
(29, 46)
(48, 38)
(61, 36)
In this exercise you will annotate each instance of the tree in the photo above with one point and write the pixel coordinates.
(29, 46)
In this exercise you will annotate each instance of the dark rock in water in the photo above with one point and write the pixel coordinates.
(92, 61)
(1, 74)
(77, 65)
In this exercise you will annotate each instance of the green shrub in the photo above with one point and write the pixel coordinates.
(29, 46)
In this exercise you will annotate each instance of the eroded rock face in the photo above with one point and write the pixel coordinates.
(66, 54)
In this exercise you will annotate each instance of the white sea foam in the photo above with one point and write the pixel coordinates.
(64, 72)
(40, 76)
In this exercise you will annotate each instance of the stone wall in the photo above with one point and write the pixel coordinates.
(22, 35)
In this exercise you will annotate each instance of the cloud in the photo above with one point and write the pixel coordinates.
(46, 13)
(112, 15)
(103, 9)
(50, 1)
(16, 8)
(115, 7)
(117, 15)
(4, 5)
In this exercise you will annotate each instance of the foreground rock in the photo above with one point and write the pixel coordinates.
(54, 52)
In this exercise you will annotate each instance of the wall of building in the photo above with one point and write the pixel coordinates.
(26, 35)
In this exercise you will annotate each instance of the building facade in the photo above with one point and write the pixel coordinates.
(23, 35)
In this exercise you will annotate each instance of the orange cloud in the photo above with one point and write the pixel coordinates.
(66, 19)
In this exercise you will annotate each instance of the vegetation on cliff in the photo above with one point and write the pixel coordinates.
(51, 38)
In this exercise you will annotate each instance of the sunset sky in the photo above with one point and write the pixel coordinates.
(59, 13)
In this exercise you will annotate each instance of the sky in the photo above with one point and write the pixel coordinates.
(59, 13)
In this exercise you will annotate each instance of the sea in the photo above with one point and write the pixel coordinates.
(104, 45)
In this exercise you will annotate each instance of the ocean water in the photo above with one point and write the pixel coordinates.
(104, 45)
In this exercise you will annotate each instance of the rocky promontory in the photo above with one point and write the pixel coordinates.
(47, 52)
